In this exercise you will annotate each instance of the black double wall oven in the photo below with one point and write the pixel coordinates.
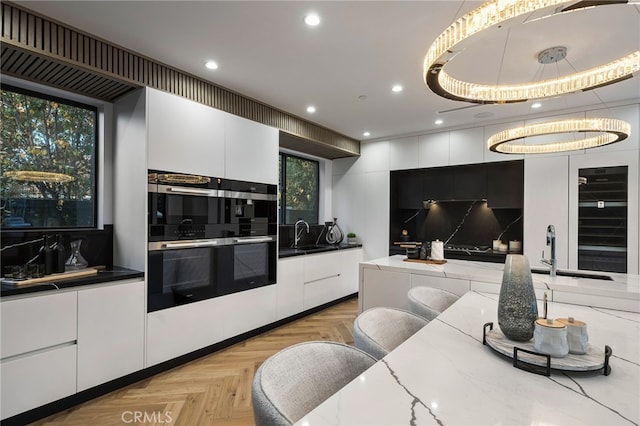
(208, 237)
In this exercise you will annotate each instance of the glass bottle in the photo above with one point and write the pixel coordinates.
(46, 256)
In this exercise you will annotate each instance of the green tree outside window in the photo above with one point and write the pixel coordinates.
(47, 160)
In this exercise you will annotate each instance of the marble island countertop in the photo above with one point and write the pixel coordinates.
(623, 287)
(445, 375)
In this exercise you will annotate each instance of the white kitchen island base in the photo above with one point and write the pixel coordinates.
(386, 281)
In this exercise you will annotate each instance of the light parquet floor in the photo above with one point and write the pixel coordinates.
(213, 390)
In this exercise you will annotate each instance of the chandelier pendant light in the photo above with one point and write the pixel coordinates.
(609, 131)
(494, 13)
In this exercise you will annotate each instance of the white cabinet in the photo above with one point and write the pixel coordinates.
(37, 322)
(37, 378)
(546, 203)
(404, 153)
(434, 150)
(251, 150)
(110, 332)
(466, 146)
(38, 363)
(330, 276)
(184, 136)
(177, 331)
(290, 286)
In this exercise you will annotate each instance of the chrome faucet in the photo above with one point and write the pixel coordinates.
(297, 233)
(551, 241)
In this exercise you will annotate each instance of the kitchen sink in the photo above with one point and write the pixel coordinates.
(574, 274)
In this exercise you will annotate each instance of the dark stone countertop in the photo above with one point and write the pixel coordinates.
(314, 249)
(114, 274)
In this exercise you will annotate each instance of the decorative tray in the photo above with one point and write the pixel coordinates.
(53, 277)
(526, 358)
(430, 261)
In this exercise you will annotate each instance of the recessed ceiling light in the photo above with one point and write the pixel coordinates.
(312, 20)
(365, 134)
(311, 109)
(439, 121)
(396, 88)
(536, 105)
(212, 65)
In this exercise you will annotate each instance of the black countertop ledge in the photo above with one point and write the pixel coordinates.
(314, 249)
(107, 275)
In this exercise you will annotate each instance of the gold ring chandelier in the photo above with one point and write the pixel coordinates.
(494, 13)
(35, 176)
(610, 131)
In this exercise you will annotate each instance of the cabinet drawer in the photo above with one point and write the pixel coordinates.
(38, 322)
(323, 291)
(320, 266)
(34, 380)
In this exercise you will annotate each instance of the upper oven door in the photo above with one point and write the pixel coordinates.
(177, 213)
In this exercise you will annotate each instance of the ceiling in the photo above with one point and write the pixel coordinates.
(346, 66)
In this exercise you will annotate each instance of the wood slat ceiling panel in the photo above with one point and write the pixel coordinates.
(42, 70)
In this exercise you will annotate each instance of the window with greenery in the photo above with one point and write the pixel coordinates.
(299, 189)
(47, 160)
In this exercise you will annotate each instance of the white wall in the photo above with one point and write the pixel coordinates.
(361, 185)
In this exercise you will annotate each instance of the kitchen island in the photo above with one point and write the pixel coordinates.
(445, 375)
(386, 281)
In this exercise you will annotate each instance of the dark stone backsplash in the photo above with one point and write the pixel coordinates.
(317, 233)
(96, 246)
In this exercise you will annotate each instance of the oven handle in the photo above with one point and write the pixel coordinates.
(195, 191)
(190, 244)
(252, 240)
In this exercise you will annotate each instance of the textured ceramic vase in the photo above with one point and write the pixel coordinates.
(517, 306)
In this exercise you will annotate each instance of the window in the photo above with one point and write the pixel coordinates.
(48, 161)
(299, 193)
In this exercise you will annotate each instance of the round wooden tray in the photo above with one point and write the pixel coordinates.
(524, 353)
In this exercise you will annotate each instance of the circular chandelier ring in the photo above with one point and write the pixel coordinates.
(611, 131)
(494, 13)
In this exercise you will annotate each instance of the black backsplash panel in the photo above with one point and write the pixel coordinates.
(461, 213)
(479, 224)
(317, 233)
(96, 246)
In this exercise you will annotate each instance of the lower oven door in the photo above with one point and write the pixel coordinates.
(253, 263)
(185, 272)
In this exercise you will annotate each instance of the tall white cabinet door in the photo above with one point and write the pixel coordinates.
(290, 286)
(184, 136)
(251, 150)
(546, 196)
(111, 323)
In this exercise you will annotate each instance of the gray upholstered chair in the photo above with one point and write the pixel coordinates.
(294, 381)
(379, 330)
(430, 302)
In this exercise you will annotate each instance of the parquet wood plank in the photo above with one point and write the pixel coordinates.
(213, 390)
